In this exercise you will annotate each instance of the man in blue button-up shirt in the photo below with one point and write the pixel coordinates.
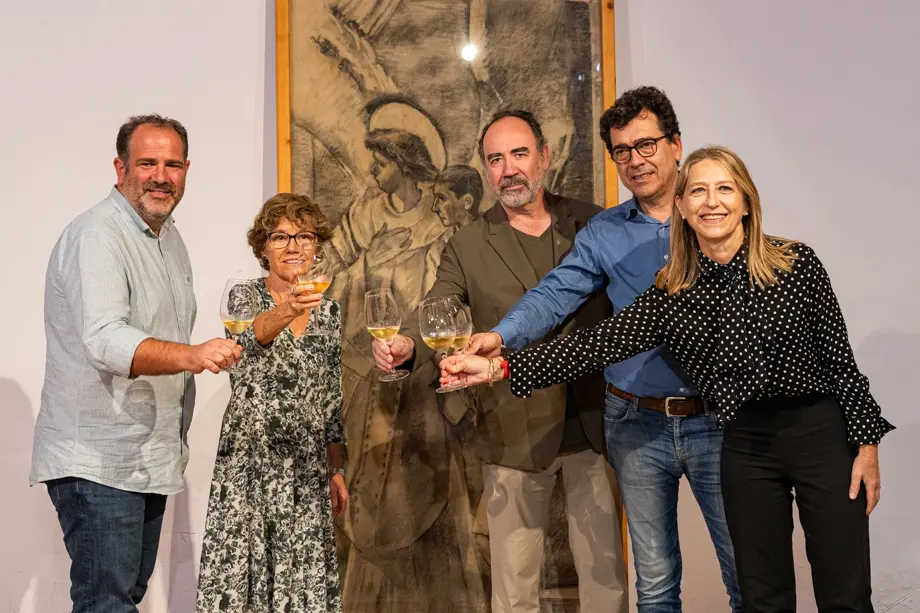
(657, 429)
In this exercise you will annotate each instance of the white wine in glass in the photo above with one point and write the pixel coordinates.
(239, 305)
(381, 315)
(463, 323)
(318, 274)
(437, 326)
(384, 333)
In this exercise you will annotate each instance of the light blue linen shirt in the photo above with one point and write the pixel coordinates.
(111, 283)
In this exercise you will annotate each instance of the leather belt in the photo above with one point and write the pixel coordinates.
(672, 406)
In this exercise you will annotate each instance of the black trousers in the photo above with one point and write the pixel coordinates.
(782, 449)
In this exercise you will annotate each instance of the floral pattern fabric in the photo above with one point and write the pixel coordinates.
(269, 542)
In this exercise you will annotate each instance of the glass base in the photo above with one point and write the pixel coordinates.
(452, 387)
(396, 375)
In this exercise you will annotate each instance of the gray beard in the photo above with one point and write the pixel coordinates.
(518, 199)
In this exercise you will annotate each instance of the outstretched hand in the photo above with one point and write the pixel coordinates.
(468, 369)
(488, 344)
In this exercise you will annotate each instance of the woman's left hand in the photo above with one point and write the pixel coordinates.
(865, 470)
(339, 494)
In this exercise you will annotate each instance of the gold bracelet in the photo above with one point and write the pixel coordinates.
(491, 372)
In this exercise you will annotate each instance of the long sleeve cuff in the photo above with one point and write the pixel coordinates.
(868, 429)
(508, 333)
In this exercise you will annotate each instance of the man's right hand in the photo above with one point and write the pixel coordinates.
(214, 355)
(390, 356)
(486, 344)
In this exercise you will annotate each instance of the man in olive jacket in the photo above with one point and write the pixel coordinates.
(526, 444)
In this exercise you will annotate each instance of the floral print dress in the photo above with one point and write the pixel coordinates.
(269, 545)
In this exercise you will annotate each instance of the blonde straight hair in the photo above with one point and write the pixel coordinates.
(766, 254)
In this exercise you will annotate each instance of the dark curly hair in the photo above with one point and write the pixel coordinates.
(628, 106)
(126, 131)
(296, 208)
(524, 116)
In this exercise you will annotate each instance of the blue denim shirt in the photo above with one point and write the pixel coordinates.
(623, 248)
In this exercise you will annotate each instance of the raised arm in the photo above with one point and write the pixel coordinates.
(557, 295)
(634, 330)
(94, 283)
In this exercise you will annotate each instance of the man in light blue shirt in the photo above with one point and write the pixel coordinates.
(110, 440)
(657, 427)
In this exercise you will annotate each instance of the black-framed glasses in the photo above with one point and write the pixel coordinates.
(280, 240)
(646, 148)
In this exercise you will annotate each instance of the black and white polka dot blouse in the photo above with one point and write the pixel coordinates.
(737, 342)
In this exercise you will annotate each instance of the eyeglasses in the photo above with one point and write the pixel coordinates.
(280, 240)
(646, 148)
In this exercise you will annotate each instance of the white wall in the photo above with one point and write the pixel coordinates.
(70, 73)
(804, 91)
(820, 100)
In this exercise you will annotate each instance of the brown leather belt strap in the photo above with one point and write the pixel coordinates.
(671, 406)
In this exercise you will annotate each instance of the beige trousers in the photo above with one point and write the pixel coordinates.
(518, 511)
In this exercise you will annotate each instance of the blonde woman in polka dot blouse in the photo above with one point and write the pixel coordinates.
(754, 321)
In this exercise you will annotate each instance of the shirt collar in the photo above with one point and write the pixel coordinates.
(126, 207)
(632, 209)
(738, 263)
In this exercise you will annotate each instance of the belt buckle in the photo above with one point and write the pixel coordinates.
(667, 405)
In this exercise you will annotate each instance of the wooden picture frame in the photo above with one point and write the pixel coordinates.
(608, 192)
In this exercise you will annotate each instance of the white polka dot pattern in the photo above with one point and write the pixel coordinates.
(737, 342)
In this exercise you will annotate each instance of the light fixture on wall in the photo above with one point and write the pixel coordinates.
(469, 52)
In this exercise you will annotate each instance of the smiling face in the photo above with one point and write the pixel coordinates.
(153, 178)
(650, 177)
(714, 206)
(287, 262)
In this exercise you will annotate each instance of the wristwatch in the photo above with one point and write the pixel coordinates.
(336, 471)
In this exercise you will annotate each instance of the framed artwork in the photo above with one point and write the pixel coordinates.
(377, 99)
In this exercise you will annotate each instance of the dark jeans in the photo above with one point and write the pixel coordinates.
(795, 448)
(112, 537)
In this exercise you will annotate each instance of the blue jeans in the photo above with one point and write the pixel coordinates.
(649, 452)
(112, 537)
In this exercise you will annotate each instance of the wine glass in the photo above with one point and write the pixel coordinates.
(463, 323)
(437, 326)
(318, 273)
(381, 315)
(238, 308)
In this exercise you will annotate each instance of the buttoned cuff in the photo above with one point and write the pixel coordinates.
(868, 430)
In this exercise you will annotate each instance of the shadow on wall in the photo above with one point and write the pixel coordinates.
(890, 358)
(35, 567)
(188, 509)
(182, 585)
